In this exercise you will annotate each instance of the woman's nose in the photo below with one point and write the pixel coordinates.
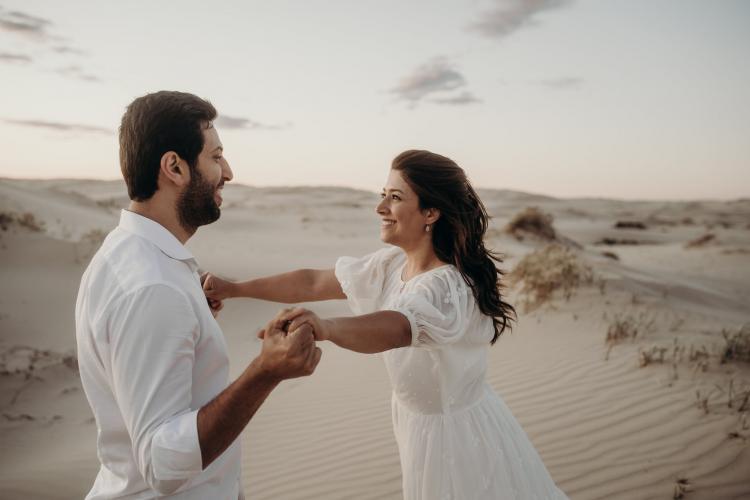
(381, 207)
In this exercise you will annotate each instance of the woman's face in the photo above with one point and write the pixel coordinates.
(402, 222)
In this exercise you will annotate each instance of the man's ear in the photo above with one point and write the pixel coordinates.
(431, 215)
(174, 169)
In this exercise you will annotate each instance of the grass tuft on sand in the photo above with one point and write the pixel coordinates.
(548, 270)
(532, 222)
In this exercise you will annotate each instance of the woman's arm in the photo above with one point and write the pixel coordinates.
(370, 333)
(302, 285)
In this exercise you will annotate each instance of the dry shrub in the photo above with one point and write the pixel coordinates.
(698, 354)
(650, 356)
(736, 345)
(545, 271)
(628, 327)
(24, 360)
(26, 220)
(702, 400)
(618, 241)
(701, 241)
(29, 221)
(629, 224)
(737, 399)
(532, 221)
(682, 486)
(6, 219)
(736, 251)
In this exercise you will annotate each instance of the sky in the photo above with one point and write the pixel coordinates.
(631, 99)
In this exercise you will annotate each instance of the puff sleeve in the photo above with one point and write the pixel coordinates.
(363, 279)
(437, 308)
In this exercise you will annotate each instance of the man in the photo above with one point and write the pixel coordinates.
(153, 360)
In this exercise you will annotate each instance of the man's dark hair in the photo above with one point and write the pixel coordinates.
(155, 124)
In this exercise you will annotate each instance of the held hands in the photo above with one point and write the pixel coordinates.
(299, 316)
(288, 354)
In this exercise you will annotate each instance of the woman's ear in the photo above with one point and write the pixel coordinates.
(431, 215)
(174, 169)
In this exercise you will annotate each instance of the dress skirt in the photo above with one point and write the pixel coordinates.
(479, 452)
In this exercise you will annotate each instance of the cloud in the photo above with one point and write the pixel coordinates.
(235, 123)
(461, 99)
(25, 24)
(59, 127)
(436, 76)
(560, 83)
(508, 16)
(38, 29)
(14, 58)
(77, 73)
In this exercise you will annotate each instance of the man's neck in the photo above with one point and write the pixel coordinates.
(159, 213)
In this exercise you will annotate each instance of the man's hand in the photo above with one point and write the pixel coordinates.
(288, 355)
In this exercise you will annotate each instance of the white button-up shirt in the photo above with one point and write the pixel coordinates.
(150, 355)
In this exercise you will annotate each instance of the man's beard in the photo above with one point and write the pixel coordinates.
(196, 205)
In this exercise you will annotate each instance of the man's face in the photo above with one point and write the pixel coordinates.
(199, 203)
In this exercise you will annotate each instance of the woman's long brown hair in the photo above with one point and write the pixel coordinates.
(458, 235)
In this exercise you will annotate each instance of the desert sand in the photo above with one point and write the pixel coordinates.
(644, 416)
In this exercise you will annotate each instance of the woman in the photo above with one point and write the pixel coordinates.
(431, 302)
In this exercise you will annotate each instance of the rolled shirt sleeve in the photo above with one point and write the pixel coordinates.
(153, 333)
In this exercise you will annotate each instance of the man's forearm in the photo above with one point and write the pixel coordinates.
(371, 333)
(222, 419)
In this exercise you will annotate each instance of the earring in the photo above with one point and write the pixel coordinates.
(427, 228)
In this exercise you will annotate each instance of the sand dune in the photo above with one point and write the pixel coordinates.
(605, 427)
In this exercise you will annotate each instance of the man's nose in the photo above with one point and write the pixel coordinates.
(226, 172)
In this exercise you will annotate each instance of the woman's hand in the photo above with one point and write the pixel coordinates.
(215, 305)
(299, 316)
(217, 289)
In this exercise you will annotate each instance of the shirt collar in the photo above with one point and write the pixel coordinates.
(158, 235)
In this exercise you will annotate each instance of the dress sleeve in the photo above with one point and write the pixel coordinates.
(437, 309)
(363, 279)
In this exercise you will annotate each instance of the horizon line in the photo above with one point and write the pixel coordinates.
(4, 177)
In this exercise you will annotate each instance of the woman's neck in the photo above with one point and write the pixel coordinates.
(419, 260)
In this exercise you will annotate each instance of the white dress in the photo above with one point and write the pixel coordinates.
(457, 439)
